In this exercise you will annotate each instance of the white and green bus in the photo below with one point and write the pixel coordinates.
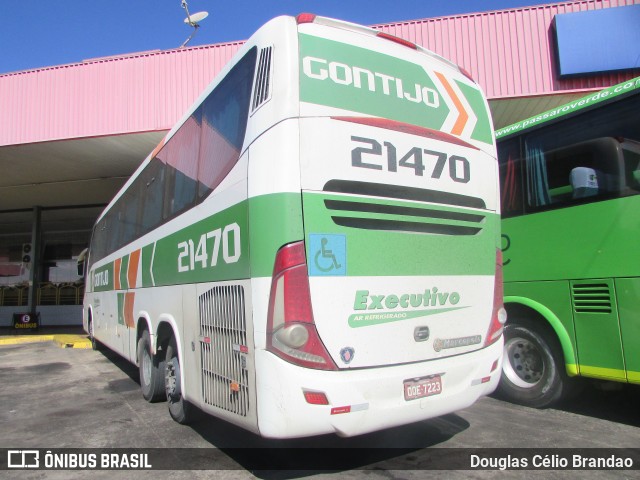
(570, 199)
(314, 247)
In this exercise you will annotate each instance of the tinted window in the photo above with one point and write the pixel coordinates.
(590, 157)
(224, 123)
(190, 165)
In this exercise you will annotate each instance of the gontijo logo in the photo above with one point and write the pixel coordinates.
(343, 74)
(401, 307)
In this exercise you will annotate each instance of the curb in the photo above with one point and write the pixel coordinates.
(62, 340)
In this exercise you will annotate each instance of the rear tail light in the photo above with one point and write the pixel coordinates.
(291, 331)
(305, 18)
(466, 73)
(316, 398)
(399, 40)
(499, 315)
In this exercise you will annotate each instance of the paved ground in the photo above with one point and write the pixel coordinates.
(54, 397)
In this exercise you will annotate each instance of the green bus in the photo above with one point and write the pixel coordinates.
(570, 181)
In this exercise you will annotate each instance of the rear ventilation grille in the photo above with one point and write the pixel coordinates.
(262, 86)
(428, 219)
(592, 298)
(223, 344)
(401, 192)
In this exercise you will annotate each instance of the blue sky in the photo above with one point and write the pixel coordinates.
(38, 33)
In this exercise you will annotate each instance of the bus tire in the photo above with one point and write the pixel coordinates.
(151, 370)
(95, 344)
(179, 408)
(533, 372)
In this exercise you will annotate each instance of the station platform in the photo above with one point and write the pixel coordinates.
(64, 337)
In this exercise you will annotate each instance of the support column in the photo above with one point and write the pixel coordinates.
(35, 259)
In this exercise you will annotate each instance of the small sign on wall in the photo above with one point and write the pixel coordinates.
(26, 321)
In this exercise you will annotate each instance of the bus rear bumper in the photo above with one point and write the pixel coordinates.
(367, 400)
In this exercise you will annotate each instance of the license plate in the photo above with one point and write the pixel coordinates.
(423, 387)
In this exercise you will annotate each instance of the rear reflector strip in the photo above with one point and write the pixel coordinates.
(349, 409)
(240, 348)
(480, 381)
(494, 366)
(339, 410)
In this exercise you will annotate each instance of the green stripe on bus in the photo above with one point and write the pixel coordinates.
(120, 297)
(124, 268)
(483, 130)
(268, 222)
(217, 247)
(147, 256)
(274, 221)
(213, 249)
(382, 252)
(102, 278)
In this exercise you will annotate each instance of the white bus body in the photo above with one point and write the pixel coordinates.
(314, 248)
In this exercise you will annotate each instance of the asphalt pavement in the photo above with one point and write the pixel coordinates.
(55, 397)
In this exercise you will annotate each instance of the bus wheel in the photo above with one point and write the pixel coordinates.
(179, 409)
(151, 371)
(95, 344)
(532, 369)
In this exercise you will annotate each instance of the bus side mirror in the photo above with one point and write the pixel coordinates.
(82, 262)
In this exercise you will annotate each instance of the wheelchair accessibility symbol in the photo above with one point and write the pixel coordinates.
(329, 254)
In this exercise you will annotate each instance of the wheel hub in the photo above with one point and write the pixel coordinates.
(146, 367)
(172, 380)
(524, 365)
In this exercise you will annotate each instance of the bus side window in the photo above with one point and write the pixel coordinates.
(153, 185)
(574, 173)
(224, 123)
(631, 155)
(510, 178)
(180, 155)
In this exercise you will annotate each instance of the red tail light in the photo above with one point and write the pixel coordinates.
(499, 315)
(399, 40)
(291, 331)
(305, 18)
(316, 398)
(466, 73)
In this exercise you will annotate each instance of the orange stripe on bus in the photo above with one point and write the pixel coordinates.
(158, 148)
(132, 274)
(463, 116)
